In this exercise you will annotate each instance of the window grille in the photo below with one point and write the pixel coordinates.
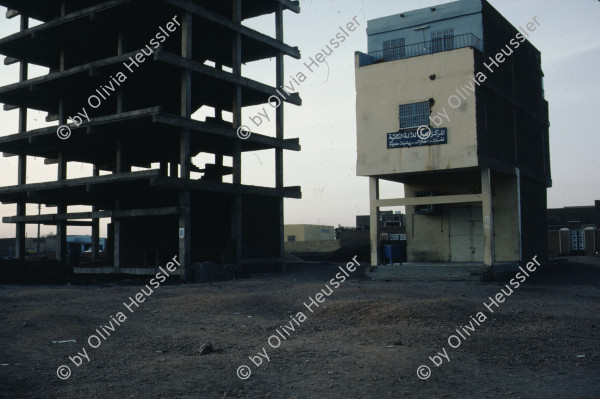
(414, 115)
(393, 49)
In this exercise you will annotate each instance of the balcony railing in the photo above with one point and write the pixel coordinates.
(414, 50)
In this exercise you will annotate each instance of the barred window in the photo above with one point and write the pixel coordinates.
(393, 49)
(442, 40)
(414, 115)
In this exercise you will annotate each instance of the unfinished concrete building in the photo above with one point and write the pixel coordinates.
(139, 70)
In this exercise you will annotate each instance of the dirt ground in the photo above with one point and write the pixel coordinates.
(366, 340)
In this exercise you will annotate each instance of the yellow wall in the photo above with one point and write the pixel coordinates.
(381, 88)
(428, 236)
(296, 230)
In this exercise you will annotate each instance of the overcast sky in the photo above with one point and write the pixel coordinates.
(325, 123)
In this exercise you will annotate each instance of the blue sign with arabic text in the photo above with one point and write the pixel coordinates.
(417, 137)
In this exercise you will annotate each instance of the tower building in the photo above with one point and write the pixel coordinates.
(450, 103)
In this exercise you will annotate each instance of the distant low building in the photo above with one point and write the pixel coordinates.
(574, 217)
(307, 232)
(573, 230)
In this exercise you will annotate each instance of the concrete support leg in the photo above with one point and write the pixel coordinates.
(279, 130)
(185, 220)
(95, 225)
(488, 218)
(95, 237)
(185, 239)
(117, 260)
(121, 166)
(22, 166)
(374, 219)
(61, 236)
(236, 64)
(185, 159)
(61, 227)
(21, 210)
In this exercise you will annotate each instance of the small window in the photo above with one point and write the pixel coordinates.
(442, 40)
(414, 115)
(393, 49)
(325, 231)
(291, 238)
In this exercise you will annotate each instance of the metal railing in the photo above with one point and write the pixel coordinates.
(414, 50)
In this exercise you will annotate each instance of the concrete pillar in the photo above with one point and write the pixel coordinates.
(279, 129)
(22, 180)
(185, 159)
(488, 218)
(185, 220)
(374, 219)
(95, 225)
(185, 230)
(237, 121)
(61, 227)
(121, 49)
(22, 161)
(120, 167)
(117, 259)
(518, 189)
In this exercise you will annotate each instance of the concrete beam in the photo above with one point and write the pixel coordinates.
(70, 183)
(236, 28)
(436, 200)
(12, 13)
(51, 131)
(287, 144)
(11, 60)
(233, 78)
(79, 223)
(116, 214)
(260, 260)
(292, 5)
(139, 271)
(227, 188)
